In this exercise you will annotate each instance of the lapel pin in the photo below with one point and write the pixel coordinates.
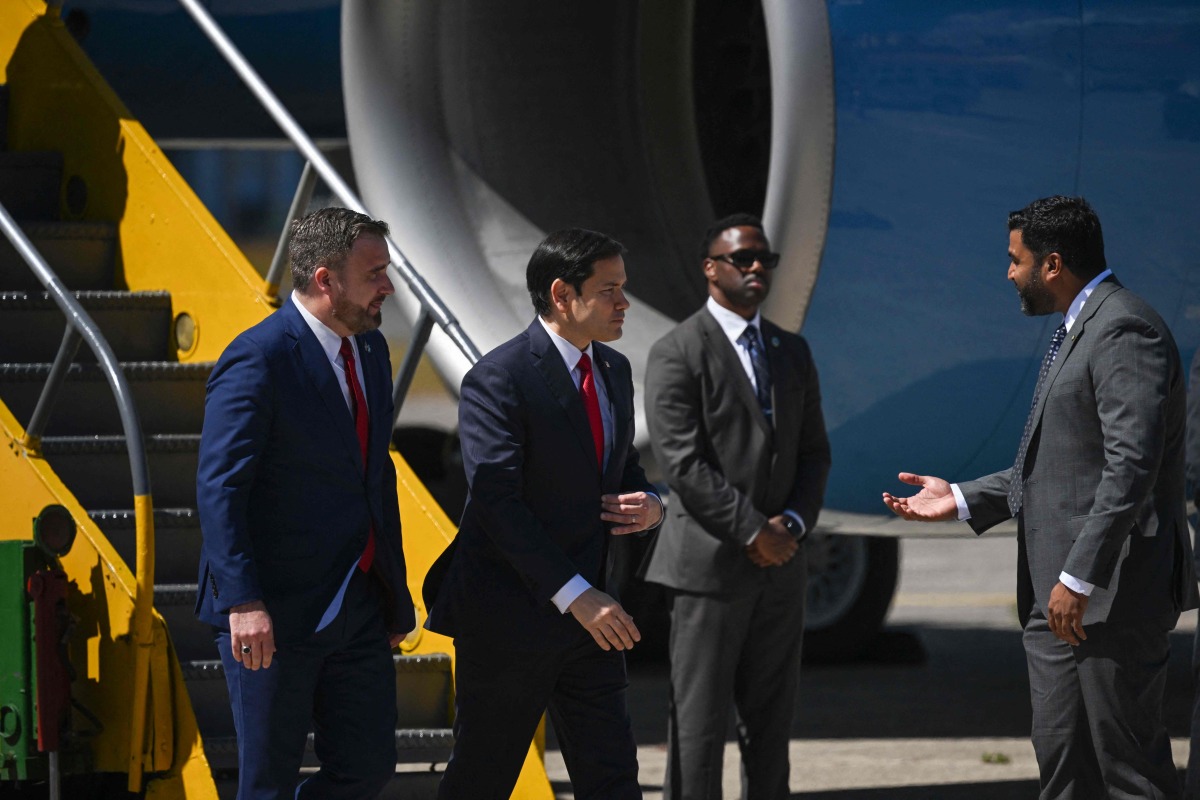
(367, 346)
(774, 341)
(606, 365)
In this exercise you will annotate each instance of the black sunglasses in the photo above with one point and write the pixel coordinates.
(744, 259)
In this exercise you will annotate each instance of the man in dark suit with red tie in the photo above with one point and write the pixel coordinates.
(302, 572)
(546, 423)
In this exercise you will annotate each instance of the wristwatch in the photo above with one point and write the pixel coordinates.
(794, 527)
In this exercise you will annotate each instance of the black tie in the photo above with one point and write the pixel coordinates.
(1016, 481)
(758, 360)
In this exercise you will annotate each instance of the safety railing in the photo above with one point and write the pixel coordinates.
(433, 310)
(82, 328)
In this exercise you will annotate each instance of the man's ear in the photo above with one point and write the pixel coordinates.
(1054, 266)
(710, 268)
(561, 294)
(322, 279)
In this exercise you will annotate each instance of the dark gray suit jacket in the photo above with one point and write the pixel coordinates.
(1104, 476)
(728, 469)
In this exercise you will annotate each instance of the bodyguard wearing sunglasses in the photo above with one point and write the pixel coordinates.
(734, 413)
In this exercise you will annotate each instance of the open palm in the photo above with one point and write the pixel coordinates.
(934, 503)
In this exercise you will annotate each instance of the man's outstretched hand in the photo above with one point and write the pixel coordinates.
(934, 503)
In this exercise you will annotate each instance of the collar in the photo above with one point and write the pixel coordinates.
(330, 341)
(1081, 298)
(732, 323)
(569, 352)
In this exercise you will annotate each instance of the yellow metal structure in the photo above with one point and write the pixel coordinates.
(129, 675)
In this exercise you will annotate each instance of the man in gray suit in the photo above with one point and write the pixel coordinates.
(734, 413)
(1104, 562)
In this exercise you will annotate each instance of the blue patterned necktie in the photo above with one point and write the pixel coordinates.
(1016, 481)
(758, 360)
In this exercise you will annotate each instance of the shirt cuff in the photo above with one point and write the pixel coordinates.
(662, 507)
(571, 590)
(964, 513)
(799, 521)
(1076, 585)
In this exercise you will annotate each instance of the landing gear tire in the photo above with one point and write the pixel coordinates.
(851, 580)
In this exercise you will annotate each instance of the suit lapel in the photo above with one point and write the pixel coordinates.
(728, 364)
(783, 377)
(1096, 299)
(374, 385)
(620, 402)
(549, 362)
(316, 366)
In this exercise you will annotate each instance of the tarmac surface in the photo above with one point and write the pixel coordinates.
(939, 710)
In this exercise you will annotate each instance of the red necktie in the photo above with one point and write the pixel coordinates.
(361, 424)
(591, 404)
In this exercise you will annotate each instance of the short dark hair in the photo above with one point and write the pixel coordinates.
(325, 237)
(1064, 225)
(725, 223)
(571, 255)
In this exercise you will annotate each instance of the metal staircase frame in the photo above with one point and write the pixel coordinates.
(81, 326)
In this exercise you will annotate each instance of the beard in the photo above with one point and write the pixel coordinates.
(357, 319)
(1036, 299)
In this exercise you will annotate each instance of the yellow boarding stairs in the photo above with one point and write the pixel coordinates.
(168, 289)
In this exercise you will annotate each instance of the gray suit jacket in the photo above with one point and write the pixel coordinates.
(1104, 476)
(728, 469)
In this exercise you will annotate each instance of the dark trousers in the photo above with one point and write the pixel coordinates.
(500, 696)
(1098, 728)
(1191, 790)
(341, 684)
(744, 648)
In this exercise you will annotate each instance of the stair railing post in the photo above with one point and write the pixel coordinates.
(49, 395)
(303, 196)
(404, 376)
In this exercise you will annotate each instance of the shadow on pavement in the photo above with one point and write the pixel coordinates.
(972, 683)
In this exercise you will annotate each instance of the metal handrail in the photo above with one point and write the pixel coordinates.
(81, 326)
(431, 304)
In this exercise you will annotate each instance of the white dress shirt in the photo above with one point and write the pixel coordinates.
(331, 343)
(734, 325)
(964, 513)
(571, 354)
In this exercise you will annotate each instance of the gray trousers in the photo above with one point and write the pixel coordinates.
(1098, 728)
(742, 650)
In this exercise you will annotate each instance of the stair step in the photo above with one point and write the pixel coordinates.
(169, 396)
(30, 183)
(176, 535)
(420, 738)
(137, 325)
(96, 468)
(82, 254)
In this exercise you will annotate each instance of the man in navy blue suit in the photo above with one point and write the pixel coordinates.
(302, 572)
(546, 423)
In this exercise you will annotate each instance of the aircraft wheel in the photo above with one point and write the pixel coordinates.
(851, 580)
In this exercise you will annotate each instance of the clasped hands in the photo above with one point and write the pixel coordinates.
(773, 545)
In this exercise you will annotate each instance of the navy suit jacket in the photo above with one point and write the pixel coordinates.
(532, 519)
(285, 503)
